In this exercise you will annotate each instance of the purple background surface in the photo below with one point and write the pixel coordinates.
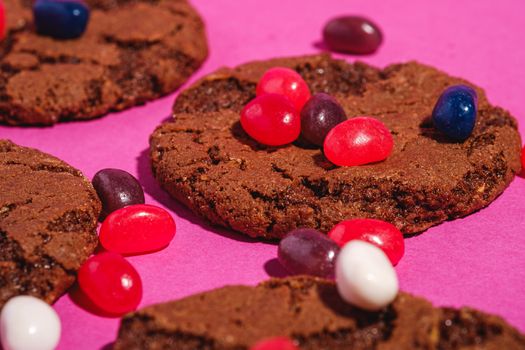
(477, 261)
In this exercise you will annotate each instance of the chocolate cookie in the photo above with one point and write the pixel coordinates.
(48, 220)
(132, 51)
(310, 311)
(205, 159)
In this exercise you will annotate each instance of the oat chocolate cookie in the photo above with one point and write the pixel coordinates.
(48, 220)
(310, 311)
(132, 51)
(205, 159)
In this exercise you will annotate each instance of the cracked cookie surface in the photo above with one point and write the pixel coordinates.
(48, 221)
(310, 311)
(204, 159)
(132, 51)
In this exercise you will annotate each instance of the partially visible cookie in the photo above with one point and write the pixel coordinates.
(133, 51)
(204, 159)
(48, 220)
(310, 311)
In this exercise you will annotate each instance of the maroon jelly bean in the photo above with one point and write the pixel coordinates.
(308, 251)
(319, 115)
(116, 189)
(352, 34)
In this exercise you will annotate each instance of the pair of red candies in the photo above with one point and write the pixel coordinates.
(284, 108)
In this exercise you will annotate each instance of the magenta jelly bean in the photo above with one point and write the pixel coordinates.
(358, 141)
(137, 229)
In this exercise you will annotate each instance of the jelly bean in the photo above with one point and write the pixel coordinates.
(111, 283)
(377, 232)
(358, 141)
(60, 19)
(284, 81)
(318, 116)
(137, 229)
(277, 343)
(352, 34)
(308, 251)
(116, 189)
(271, 119)
(365, 277)
(455, 112)
(523, 160)
(2, 21)
(28, 323)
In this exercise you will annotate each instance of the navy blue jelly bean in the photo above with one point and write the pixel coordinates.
(455, 112)
(60, 19)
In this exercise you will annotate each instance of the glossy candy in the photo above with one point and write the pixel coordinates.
(318, 116)
(308, 251)
(382, 234)
(352, 34)
(111, 283)
(277, 343)
(455, 112)
(28, 323)
(271, 119)
(284, 81)
(523, 160)
(2, 21)
(60, 19)
(137, 229)
(365, 277)
(116, 189)
(358, 141)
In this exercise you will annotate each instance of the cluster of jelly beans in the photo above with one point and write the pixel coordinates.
(129, 227)
(353, 251)
(284, 109)
(107, 279)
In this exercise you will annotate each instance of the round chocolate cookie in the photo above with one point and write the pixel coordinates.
(311, 312)
(48, 220)
(132, 51)
(205, 159)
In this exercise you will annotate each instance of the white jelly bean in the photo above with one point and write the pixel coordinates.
(28, 323)
(365, 277)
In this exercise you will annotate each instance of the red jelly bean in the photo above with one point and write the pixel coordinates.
(358, 141)
(380, 233)
(523, 160)
(271, 119)
(277, 343)
(284, 81)
(137, 229)
(111, 283)
(2, 20)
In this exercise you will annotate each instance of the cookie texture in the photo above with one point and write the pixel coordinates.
(310, 311)
(48, 220)
(204, 159)
(132, 51)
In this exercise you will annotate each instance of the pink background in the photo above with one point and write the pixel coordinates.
(477, 261)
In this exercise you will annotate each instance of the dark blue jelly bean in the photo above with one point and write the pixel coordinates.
(116, 189)
(60, 19)
(318, 116)
(455, 112)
